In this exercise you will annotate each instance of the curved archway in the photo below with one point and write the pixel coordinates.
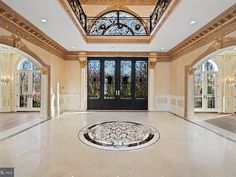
(117, 22)
(15, 44)
(218, 46)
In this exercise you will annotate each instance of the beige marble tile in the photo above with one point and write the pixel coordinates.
(54, 150)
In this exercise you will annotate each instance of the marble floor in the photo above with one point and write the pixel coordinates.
(53, 149)
(13, 119)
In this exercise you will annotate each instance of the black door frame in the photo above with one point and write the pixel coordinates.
(117, 104)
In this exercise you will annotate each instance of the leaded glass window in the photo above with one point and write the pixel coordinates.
(140, 79)
(94, 79)
(116, 23)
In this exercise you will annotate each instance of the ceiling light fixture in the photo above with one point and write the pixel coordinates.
(73, 47)
(44, 20)
(192, 22)
(162, 48)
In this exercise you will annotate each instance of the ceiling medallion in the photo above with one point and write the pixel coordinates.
(119, 135)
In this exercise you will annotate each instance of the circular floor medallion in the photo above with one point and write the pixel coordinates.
(119, 135)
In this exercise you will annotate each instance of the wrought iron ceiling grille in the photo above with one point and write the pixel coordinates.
(118, 23)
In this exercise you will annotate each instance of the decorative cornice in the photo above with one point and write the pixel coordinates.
(161, 56)
(222, 25)
(18, 25)
(118, 2)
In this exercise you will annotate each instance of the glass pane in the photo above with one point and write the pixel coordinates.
(109, 79)
(23, 89)
(210, 102)
(211, 78)
(197, 102)
(93, 79)
(141, 80)
(36, 90)
(125, 80)
(198, 85)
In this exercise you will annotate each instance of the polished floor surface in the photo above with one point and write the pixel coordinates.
(226, 122)
(13, 119)
(184, 149)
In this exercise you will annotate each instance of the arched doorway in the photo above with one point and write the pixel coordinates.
(14, 63)
(28, 86)
(206, 86)
(214, 71)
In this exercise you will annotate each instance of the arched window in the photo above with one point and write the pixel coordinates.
(27, 64)
(208, 65)
(115, 23)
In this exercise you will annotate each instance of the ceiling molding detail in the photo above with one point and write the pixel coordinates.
(119, 39)
(222, 25)
(161, 56)
(118, 2)
(18, 25)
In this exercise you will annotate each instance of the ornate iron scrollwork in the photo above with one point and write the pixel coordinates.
(118, 23)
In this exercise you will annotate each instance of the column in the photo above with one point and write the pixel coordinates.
(151, 81)
(83, 80)
(190, 92)
(44, 113)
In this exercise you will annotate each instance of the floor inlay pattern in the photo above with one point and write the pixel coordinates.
(119, 135)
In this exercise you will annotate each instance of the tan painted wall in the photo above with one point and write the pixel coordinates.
(94, 10)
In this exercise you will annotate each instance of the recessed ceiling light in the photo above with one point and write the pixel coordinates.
(117, 48)
(73, 47)
(44, 20)
(162, 48)
(192, 22)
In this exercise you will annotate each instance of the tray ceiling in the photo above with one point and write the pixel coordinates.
(60, 27)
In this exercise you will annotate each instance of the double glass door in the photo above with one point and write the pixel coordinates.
(28, 90)
(117, 83)
(205, 92)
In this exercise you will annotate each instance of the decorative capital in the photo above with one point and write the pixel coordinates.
(152, 60)
(83, 59)
(190, 70)
(43, 71)
(17, 43)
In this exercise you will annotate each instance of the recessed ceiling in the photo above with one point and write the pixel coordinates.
(60, 27)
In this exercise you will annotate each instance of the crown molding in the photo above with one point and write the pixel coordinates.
(18, 25)
(118, 2)
(220, 26)
(161, 56)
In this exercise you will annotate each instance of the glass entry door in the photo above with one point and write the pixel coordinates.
(205, 98)
(117, 83)
(28, 86)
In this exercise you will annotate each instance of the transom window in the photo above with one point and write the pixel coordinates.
(208, 65)
(27, 64)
